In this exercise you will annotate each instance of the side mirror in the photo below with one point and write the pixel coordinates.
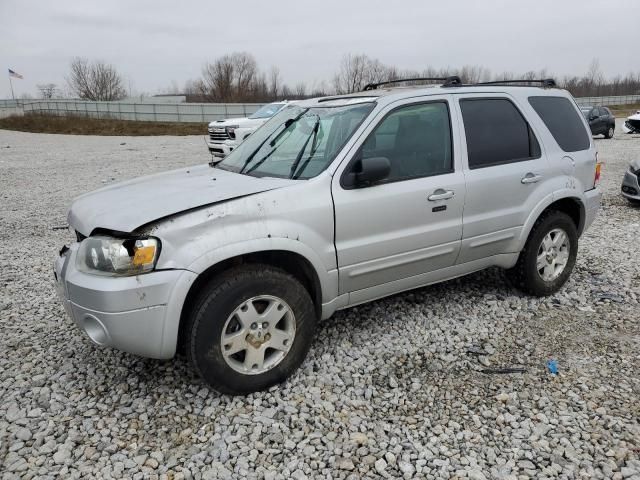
(367, 171)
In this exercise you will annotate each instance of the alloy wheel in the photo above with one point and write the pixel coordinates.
(553, 255)
(258, 335)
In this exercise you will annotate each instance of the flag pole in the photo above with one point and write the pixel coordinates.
(11, 83)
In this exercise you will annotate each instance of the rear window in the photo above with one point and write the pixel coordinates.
(561, 118)
(496, 133)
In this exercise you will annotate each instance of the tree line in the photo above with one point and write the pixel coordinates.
(236, 77)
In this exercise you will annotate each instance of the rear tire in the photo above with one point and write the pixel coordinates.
(546, 262)
(251, 328)
(609, 133)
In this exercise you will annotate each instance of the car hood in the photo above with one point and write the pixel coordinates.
(128, 205)
(635, 164)
(635, 116)
(239, 122)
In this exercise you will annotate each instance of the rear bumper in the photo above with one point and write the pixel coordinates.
(593, 198)
(138, 314)
(630, 186)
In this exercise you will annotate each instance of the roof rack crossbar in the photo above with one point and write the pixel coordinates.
(545, 82)
(451, 81)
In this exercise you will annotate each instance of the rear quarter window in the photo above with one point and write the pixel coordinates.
(563, 121)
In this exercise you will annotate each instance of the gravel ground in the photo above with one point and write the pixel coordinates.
(388, 390)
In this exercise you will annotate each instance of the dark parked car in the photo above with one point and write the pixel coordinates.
(601, 120)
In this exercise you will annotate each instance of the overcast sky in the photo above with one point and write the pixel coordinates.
(154, 42)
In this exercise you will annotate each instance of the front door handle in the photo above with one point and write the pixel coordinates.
(441, 194)
(531, 178)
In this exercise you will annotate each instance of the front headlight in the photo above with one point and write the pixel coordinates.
(231, 131)
(117, 257)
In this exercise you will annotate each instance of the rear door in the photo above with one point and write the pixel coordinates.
(410, 223)
(506, 174)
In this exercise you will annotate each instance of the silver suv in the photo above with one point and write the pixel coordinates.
(333, 202)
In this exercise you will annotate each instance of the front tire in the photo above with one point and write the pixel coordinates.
(251, 328)
(548, 258)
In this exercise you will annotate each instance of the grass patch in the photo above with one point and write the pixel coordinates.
(96, 126)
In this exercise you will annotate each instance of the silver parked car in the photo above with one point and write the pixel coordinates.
(334, 202)
(631, 183)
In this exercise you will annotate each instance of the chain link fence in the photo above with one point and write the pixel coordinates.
(187, 112)
(147, 112)
(608, 101)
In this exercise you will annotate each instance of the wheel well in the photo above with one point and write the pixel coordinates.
(290, 262)
(572, 207)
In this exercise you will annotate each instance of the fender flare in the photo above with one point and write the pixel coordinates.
(543, 205)
(328, 279)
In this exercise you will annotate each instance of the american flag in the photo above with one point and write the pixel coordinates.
(14, 74)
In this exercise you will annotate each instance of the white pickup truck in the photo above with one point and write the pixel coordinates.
(225, 135)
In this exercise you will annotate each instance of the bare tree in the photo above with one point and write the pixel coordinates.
(95, 81)
(300, 90)
(274, 82)
(351, 76)
(48, 90)
(237, 78)
(231, 78)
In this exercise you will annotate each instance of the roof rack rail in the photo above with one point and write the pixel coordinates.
(451, 81)
(545, 82)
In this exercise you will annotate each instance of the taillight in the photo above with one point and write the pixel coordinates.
(596, 177)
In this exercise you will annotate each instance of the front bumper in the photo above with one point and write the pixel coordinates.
(221, 149)
(631, 186)
(628, 127)
(593, 198)
(138, 314)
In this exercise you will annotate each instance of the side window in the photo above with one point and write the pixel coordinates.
(563, 121)
(416, 139)
(496, 133)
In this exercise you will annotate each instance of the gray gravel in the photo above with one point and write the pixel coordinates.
(388, 390)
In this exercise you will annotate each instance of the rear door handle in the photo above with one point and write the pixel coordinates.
(531, 178)
(441, 194)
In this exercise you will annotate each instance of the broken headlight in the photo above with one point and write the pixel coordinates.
(117, 257)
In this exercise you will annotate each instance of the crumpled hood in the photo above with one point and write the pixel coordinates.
(239, 122)
(128, 205)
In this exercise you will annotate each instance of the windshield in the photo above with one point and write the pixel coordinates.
(297, 143)
(267, 111)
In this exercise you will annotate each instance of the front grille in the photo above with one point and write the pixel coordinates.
(217, 134)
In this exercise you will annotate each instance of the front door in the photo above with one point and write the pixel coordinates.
(411, 222)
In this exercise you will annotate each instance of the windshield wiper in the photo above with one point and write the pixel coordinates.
(286, 124)
(294, 166)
